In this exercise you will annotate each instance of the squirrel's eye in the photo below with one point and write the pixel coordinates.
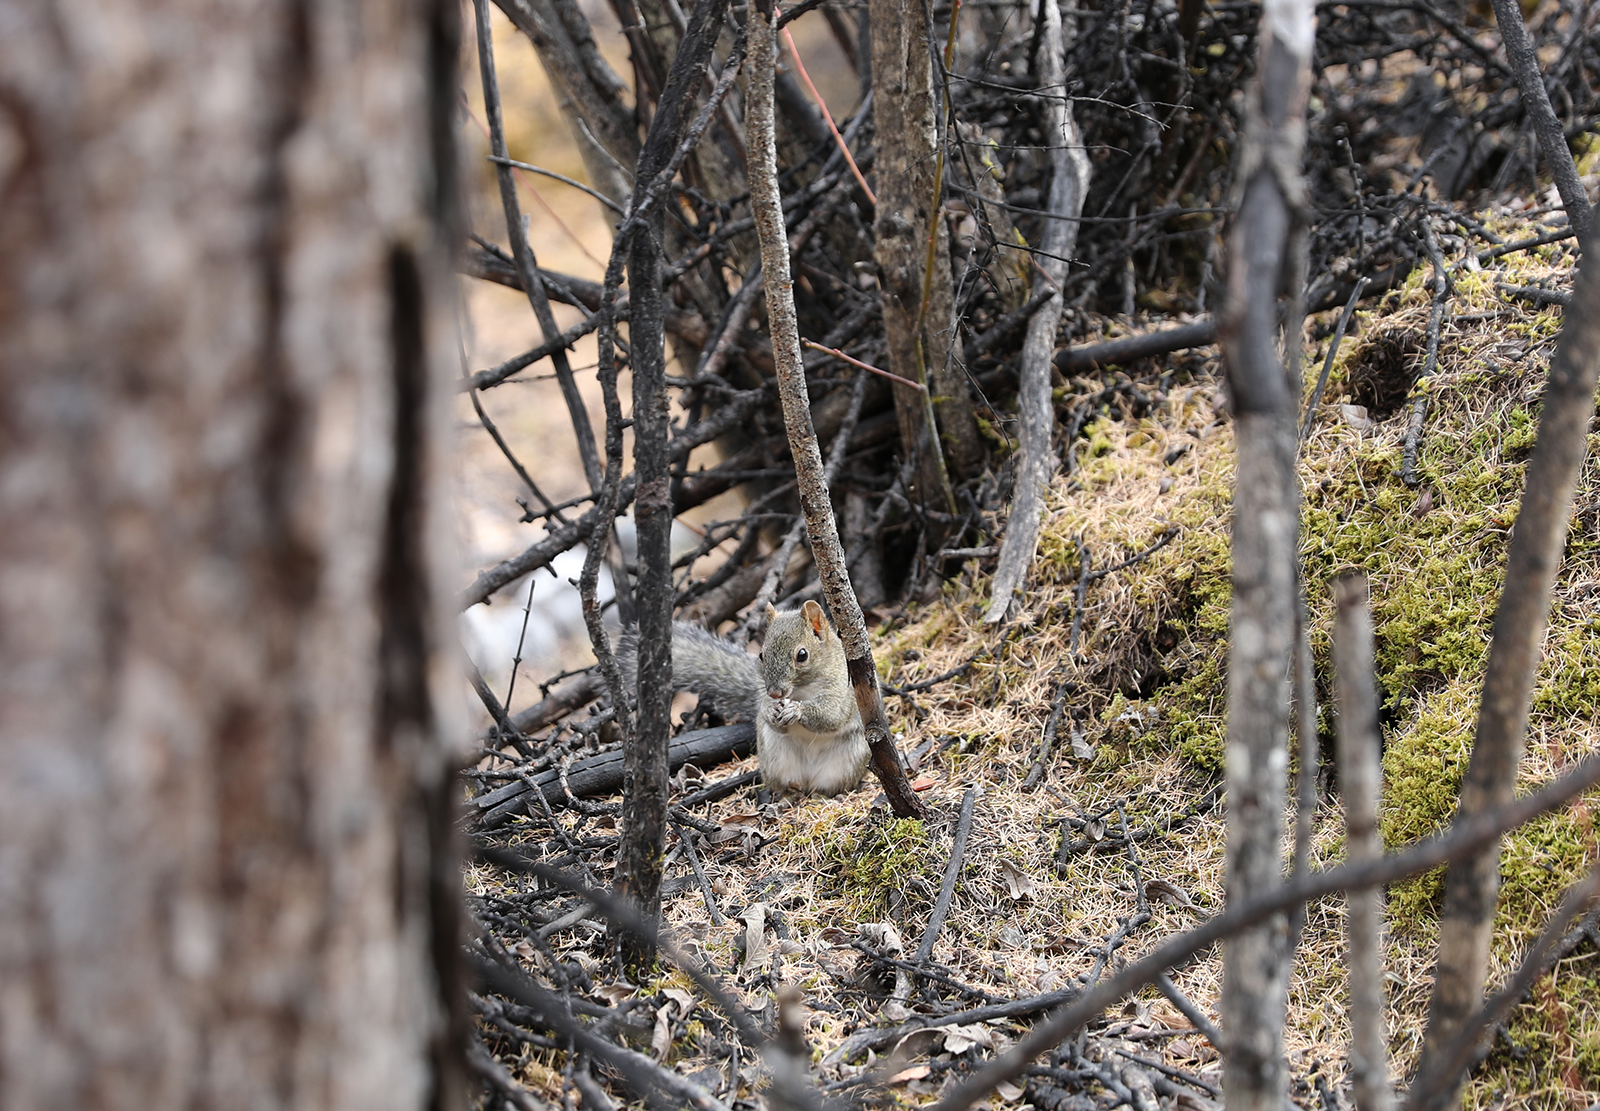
(802, 656)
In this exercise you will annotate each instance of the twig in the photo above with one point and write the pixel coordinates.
(1536, 102)
(522, 252)
(837, 354)
(1419, 405)
(1327, 363)
(1186, 1007)
(1036, 773)
(1085, 562)
(1360, 783)
(1527, 244)
(500, 160)
(952, 871)
(700, 876)
(1519, 628)
(1144, 345)
(1435, 1087)
(1534, 294)
(816, 97)
(1168, 535)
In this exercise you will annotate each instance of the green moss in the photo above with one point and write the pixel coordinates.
(1550, 1054)
(875, 858)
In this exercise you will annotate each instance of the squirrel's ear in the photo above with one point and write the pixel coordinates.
(772, 613)
(814, 617)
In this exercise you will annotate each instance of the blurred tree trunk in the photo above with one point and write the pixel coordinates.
(226, 877)
(1266, 525)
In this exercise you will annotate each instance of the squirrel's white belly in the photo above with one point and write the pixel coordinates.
(814, 763)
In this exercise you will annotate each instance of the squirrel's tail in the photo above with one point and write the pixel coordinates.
(704, 663)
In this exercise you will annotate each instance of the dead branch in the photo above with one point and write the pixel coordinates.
(1360, 782)
(1036, 462)
(601, 775)
(1265, 540)
(1519, 625)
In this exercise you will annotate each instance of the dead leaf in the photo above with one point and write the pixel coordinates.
(616, 991)
(1008, 1092)
(960, 1038)
(881, 936)
(1081, 748)
(915, 1072)
(684, 999)
(755, 938)
(922, 783)
(1356, 417)
(1169, 893)
(661, 1036)
(1095, 829)
(1018, 883)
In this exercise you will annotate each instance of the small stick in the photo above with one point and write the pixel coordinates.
(522, 252)
(1327, 364)
(1527, 244)
(1037, 772)
(563, 178)
(1360, 783)
(837, 354)
(1085, 562)
(699, 874)
(1186, 1007)
(844, 149)
(1419, 406)
(1305, 708)
(952, 870)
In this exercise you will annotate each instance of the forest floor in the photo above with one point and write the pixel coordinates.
(1118, 841)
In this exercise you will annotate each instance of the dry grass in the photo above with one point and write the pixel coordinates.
(1145, 692)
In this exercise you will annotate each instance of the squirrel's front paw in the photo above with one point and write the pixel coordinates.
(782, 712)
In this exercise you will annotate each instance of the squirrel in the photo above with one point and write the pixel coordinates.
(809, 735)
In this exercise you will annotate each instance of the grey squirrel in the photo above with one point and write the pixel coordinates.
(809, 736)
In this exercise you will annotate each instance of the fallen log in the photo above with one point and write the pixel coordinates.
(601, 774)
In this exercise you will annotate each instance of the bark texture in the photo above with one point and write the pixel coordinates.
(1265, 538)
(224, 340)
(905, 149)
(644, 799)
(1361, 784)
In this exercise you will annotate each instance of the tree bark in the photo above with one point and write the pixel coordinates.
(225, 357)
(644, 800)
(905, 148)
(1361, 784)
(1265, 541)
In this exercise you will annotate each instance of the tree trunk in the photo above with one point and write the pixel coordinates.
(905, 152)
(1265, 542)
(227, 877)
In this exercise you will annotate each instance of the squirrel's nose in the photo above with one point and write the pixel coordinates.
(778, 692)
